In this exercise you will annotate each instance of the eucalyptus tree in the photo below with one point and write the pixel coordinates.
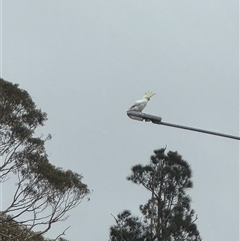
(167, 215)
(43, 193)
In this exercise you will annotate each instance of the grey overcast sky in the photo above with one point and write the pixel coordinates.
(85, 62)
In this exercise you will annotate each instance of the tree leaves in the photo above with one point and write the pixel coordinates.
(43, 191)
(167, 215)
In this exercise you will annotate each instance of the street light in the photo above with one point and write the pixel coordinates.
(136, 115)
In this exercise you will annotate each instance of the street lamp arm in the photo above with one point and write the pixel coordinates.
(136, 115)
(200, 130)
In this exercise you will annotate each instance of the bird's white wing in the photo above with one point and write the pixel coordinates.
(139, 105)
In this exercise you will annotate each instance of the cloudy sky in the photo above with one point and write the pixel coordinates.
(85, 62)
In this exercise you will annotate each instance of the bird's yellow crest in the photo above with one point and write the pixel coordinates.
(149, 94)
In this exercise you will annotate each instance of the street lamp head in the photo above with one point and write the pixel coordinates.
(137, 115)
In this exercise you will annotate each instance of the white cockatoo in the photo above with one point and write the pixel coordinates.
(141, 104)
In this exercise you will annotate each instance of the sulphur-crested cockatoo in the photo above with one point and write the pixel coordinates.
(141, 104)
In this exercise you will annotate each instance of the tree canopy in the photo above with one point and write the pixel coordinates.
(167, 215)
(43, 192)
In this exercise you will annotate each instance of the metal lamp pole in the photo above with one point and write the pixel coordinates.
(136, 115)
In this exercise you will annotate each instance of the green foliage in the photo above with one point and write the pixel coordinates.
(19, 115)
(167, 215)
(128, 228)
(11, 230)
(40, 186)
